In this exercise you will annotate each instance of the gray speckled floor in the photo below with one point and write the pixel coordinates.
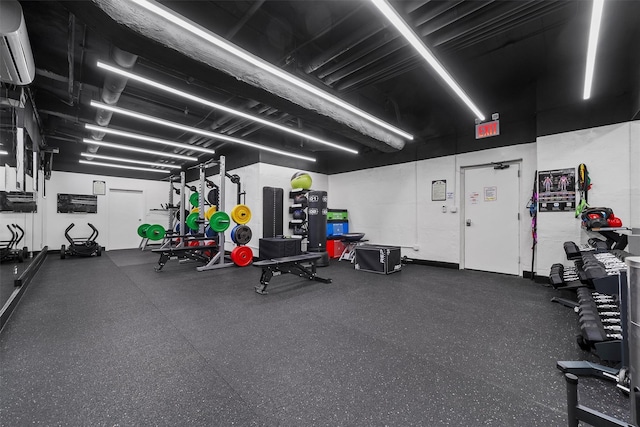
(108, 341)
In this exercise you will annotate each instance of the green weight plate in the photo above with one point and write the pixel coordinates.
(219, 221)
(142, 230)
(155, 232)
(192, 220)
(193, 199)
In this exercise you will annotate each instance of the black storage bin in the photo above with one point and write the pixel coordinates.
(275, 247)
(378, 259)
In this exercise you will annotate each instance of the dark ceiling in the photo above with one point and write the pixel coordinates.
(522, 59)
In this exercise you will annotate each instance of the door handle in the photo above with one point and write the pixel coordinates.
(468, 223)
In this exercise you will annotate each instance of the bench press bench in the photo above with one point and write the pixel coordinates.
(290, 264)
(195, 253)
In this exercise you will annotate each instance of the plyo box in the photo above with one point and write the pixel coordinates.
(274, 247)
(378, 259)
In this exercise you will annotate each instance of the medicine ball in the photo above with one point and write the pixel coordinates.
(300, 199)
(301, 180)
(299, 214)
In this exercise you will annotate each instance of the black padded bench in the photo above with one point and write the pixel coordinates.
(289, 264)
(196, 253)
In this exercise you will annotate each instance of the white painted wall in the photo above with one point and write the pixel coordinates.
(392, 204)
(46, 226)
(611, 155)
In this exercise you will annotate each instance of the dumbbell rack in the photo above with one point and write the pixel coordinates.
(602, 314)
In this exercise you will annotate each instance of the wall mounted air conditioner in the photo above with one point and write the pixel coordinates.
(16, 60)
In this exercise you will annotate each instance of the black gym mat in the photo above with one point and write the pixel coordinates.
(110, 341)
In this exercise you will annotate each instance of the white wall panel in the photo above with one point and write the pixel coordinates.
(605, 151)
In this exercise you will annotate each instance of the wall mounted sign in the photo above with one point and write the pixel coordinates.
(557, 190)
(439, 190)
(485, 130)
(99, 188)
(490, 194)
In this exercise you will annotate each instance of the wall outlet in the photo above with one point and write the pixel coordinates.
(453, 209)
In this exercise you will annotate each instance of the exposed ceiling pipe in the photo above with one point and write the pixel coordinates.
(173, 36)
(367, 61)
(364, 50)
(480, 21)
(434, 9)
(113, 86)
(541, 9)
(252, 10)
(325, 30)
(71, 48)
(450, 17)
(336, 50)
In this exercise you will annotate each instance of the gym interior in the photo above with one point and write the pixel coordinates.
(190, 238)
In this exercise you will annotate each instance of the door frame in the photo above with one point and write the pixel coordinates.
(463, 199)
(123, 190)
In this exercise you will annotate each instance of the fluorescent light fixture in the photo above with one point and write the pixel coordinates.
(125, 160)
(138, 150)
(397, 21)
(191, 129)
(149, 138)
(214, 39)
(110, 165)
(211, 104)
(3, 153)
(596, 18)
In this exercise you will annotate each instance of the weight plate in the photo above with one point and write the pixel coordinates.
(241, 234)
(186, 214)
(195, 210)
(194, 199)
(241, 214)
(210, 211)
(155, 232)
(212, 197)
(219, 221)
(142, 230)
(209, 232)
(242, 256)
(192, 220)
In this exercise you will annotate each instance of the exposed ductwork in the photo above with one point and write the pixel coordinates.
(171, 35)
(113, 87)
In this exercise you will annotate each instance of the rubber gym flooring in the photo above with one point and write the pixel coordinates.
(108, 341)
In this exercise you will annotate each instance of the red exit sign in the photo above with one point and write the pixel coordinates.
(485, 130)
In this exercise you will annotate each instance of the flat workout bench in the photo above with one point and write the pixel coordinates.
(288, 264)
(195, 253)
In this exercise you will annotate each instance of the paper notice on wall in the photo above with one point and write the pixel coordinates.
(490, 194)
(473, 197)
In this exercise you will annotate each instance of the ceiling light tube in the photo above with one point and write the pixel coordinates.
(138, 150)
(596, 18)
(148, 138)
(191, 129)
(122, 159)
(174, 91)
(212, 38)
(3, 153)
(110, 165)
(397, 21)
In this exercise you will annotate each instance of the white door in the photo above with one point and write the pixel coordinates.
(491, 222)
(126, 211)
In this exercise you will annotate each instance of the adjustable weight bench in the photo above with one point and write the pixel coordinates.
(196, 253)
(290, 264)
